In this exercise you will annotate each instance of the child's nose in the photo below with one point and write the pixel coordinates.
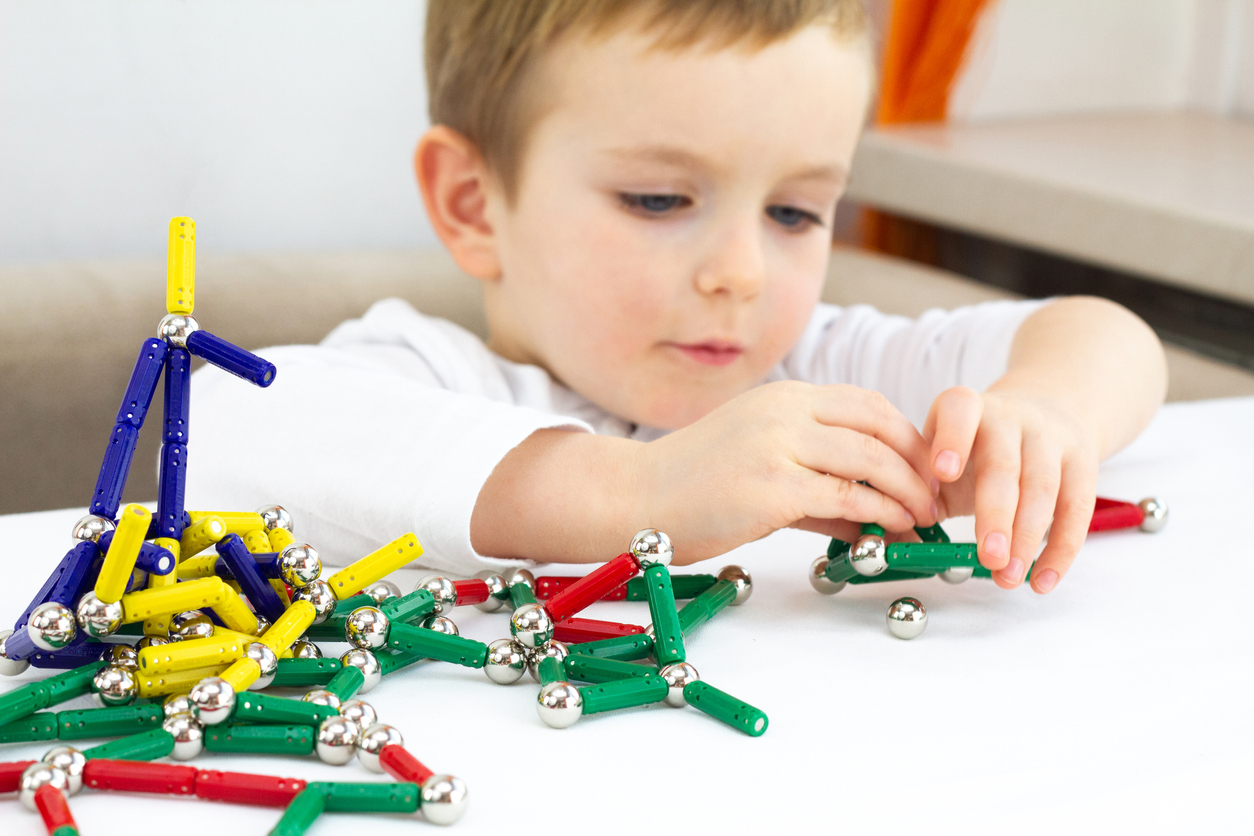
(736, 266)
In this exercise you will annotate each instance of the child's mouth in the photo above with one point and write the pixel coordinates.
(712, 353)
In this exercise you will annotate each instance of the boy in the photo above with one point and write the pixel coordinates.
(645, 190)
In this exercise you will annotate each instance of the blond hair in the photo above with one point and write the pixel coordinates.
(478, 52)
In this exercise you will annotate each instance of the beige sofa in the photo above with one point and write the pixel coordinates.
(69, 334)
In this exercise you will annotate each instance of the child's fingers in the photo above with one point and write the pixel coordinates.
(832, 497)
(951, 426)
(854, 455)
(872, 414)
(840, 529)
(1076, 498)
(996, 461)
(1040, 474)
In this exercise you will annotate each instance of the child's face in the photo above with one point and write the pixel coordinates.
(671, 227)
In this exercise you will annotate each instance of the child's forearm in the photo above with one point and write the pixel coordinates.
(559, 496)
(1096, 357)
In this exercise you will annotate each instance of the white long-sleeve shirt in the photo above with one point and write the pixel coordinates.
(395, 421)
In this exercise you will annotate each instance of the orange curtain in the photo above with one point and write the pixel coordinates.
(923, 51)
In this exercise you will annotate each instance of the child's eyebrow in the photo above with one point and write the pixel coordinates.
(682, 158)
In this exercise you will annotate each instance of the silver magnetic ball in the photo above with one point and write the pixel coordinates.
(869, 555)
(522, 576)
(368, 664)
(819, 579)
(652, 548)
(440, 624)
(553, 648)
(299, 564)
(323, 697)
(367, 627)
(96, 618)
(957, 574)
(1155, 514)
(360, 712)
(373, 739)
(113, 686)
(906, 618)
(337, 740)
(559, 705)
(176, 704)
(532, 626)
(213, 700)
(91, 527)
(305, 649)
(70, 761)
(444, 799)
(263, 623)
(319, 594)
(35, 776)
(743, 581)
(188, 734)
(506, 661)
(498, 591)
(51, 626)
(677, 676)
(176, 328)
(442, 590)
(267, 660)
(276, 516)
(10, 667)
(192, 624)
(150, 641)
(380, 591)
(123, 656)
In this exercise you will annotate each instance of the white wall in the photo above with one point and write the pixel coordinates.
(1039, 57)
(276, 124)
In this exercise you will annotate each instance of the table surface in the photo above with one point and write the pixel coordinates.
(1166, 195)
(1120, 701)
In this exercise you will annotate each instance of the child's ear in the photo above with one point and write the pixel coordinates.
(455, 185)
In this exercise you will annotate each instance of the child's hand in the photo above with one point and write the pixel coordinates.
(785, 454)
(1031, 460)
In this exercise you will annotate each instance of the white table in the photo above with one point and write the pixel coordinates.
(1119, 702)
(1165, 195)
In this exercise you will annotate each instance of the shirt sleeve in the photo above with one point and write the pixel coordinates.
(910, 361)
(359, 451)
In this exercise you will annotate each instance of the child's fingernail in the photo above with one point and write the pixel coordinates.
(1013, 573)
(935, 486)
(913, 521)
(1046, 580)
(996, 545)
(947, 463)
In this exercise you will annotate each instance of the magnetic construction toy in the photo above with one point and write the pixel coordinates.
(227, 604)
(871, 560)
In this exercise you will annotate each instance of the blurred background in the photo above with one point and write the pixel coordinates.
(1019, 147)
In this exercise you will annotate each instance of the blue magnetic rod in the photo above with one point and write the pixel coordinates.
(72, 564)
(143, 383)
(172, 490)
(262, 596)
(152, 558)
(178, 395)
(231, 358)
(74, 655)
(114, 470)
(267, 565)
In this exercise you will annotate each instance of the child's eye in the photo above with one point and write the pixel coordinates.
(653, 204)
(792, 218)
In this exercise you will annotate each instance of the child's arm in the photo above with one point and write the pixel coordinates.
(758, 463)
(1085, 377)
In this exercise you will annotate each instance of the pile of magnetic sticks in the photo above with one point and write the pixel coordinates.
(871, 559)
(226, 604)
